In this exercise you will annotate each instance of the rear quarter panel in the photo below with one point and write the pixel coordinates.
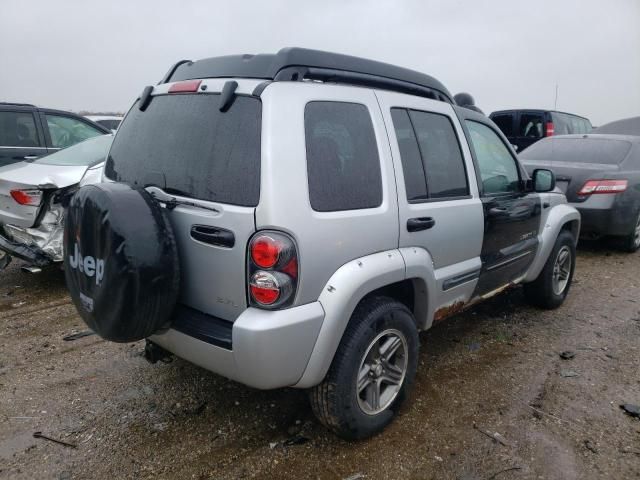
(325, 240)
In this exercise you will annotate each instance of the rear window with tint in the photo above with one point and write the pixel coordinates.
(578, 150)
(566, 124)
(87, 153)
(187, 146)
(343, 166)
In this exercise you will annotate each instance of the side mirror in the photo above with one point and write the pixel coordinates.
(543, 180)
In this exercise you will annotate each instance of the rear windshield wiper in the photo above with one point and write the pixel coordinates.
(171, 202)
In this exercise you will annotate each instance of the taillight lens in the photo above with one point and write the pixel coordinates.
(549, 129)
(593, 187)
(272, 270)
(265, 251)
(264, 287)
(27, 197)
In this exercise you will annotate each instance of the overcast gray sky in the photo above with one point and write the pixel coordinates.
(98, 55)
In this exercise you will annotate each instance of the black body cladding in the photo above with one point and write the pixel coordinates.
(291, 64)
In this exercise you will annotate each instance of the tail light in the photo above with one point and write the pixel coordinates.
(272, 270)
(31, 197)
(603, 186)
(187, 86)
(549, 129)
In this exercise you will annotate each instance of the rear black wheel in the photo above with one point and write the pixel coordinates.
(552, 285)
(372, 371)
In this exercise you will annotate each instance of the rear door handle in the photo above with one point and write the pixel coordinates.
(30, 157)
(421, 223)
(219, 237)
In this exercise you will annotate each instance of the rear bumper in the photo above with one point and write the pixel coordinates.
(606, 218)
(267, 349)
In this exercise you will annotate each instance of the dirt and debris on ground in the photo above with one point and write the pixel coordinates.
(491, 400)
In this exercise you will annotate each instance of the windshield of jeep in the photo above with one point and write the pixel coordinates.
(185, 145)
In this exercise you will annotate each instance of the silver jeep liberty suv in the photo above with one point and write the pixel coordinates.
(295, 219)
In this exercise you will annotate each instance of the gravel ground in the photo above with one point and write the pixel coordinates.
(493, 369)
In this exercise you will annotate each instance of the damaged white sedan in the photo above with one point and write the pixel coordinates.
(34, 196)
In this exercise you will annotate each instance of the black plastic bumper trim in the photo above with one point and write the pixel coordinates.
(453, 282)
(207, 328)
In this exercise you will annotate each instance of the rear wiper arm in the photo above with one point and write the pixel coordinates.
(171, 202)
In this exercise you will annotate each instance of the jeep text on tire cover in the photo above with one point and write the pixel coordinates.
(88, 265)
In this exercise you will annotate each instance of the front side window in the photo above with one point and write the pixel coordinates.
(531, 125)
(343, 166)
(18, 129)
(498, 169)
(66, 131)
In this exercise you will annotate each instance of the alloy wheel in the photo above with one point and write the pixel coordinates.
(382, 371)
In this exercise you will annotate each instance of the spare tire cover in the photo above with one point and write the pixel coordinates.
(121, 261)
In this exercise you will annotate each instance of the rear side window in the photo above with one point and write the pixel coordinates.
(343, 165)
(415, 180)
(504, 123)
(441, 155)
(578, 150)
(531, 125)
(430, 153)
(18, 129)
(187, 146)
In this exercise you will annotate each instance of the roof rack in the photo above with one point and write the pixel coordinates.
(298, 64)
(13, 104)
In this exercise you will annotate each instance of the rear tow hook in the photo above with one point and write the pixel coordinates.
(154, 353)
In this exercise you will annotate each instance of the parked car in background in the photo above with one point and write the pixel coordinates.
(112, 122)
(600, 175)
(28, 132)
(33, 196)
(626, 126)
(525, 127)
